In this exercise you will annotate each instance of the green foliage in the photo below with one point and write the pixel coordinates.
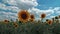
(29, 28)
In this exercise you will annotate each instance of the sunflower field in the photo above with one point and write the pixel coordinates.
(26, 24)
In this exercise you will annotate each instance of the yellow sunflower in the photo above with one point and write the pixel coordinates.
(32, 18)
(49, 22)
(6, 21)
(15, 25)
(23, 15)
(43, 15)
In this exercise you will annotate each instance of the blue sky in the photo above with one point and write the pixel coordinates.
(10, 8)
(48, 3)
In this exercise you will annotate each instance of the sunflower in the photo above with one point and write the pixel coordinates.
(23, 16)
(32, 17)
(56, 17)
(6, 21)
(43, 15)
(49, 22)
(15, 24)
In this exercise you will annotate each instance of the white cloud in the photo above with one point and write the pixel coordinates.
(3, 6)
(49, 12)
(38, 11)
(7, 15)
(16, 5)
(11, 2)
(7, 12)
(57, 10)
(26, 4)
(22, 4)
(11, 8)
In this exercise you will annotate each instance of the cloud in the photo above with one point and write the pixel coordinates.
(57, 10)
(10, 2)
(7, 15)
(22, 4)
(10, 12)
(50, 13)
(10, 8)
(2, 6)
(38, 11)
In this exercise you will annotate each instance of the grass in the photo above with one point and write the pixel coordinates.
(29, 28)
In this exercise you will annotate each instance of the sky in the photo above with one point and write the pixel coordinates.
(10, 8)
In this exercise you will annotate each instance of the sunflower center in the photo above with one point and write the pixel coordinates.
(49, 22)
(24, 16)
(32, 17)
(43, 16)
